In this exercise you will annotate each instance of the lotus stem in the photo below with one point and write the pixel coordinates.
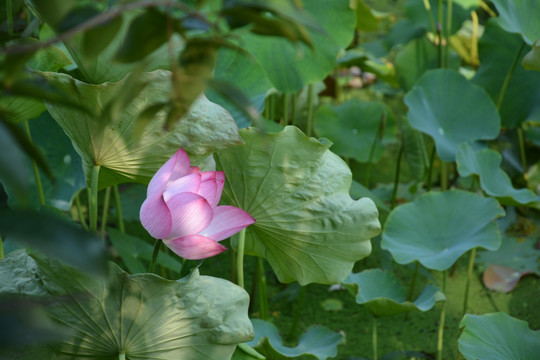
(374, 337)
(9, 15)
(474, 39)
(37, 176)
(264, 312)
(105, 213)
(448, 30)
(440, 33)
(396, 178)
(309, 127)
(469, 277)
(1, 248)
(299, 306)
(155, 254)
(286, 109)
(441, 322)
(411, 289)
(122, 356)
(430, 169)
(294, 104)
(509, 76)
(234, 274)
(94, 181)
(240, 258)
(80, 215)
(427, 5)
(118, 205)
(444, 176)
(522, 151)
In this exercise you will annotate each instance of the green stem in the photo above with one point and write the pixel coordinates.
(94, 180)
(155, 254)
(1, 248)
(118, 205)
(441, 322)
(509, 76)
(297, 312)
(286, 109)
(122, 356)
(234, 273)
(430, 169)
(372, 150)
(448, 30)
(374, 337)
(411, 289)
(468, 283)
(263, 292)
(309, 127)
(430, 15)
(105, 213)
(294, 104)
(396, 177)
(522, 150)
(444, 176)
(240, 257)
(440, 32)
(80, 214)
(39, 185)
(9, 14)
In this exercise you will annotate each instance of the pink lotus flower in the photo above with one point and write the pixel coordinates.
(181, 209)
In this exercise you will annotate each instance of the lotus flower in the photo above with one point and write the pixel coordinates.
(181, 209)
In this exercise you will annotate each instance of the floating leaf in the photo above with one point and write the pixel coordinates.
(498, 51)
(514, 15)
(142, 316)
(497, 336)
(318, 342)
(494, 181)
(307, 226)
(452, 110)
(353, 127)
(110, 141)
(292, 66)
(382, 294)
(437, 228)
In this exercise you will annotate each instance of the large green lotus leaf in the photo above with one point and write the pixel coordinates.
(353, 127)
(452, 110)
(143, 316)
(124, 151)
(497, 336)
(494, 181)
(307, 226)
(497, 50)
(519, 16)
(437, 228)
(318, 342)
(291, 66)
(382, 294)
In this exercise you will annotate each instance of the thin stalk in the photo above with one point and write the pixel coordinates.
(448, 30)
(105, 213)
(254, 288)
(9, 14)
(309, 127)
(294, 104)
(39, 185)
(264, 312)
(427, 5)
(122, 356)
(413, 285)
(444, 176)
(234, 273)
(155, 254)
(94, 197)
(286, 109)
(396, 177)
(441, 322)
(522, 150)
(468, 283)
(474, 39)
(440, 32)
(80, 215)
(299, 306)
(266, 111)
(337, 88)
(374, 337)
(509, 76)
(430, 169)
(1, 248)
(118, 205)
(240, 257)
(271, 107)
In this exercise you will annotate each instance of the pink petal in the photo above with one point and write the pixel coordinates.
(212, 183)
(190, 214)
(501, 278)
(176, 167)
(227, 221)
(189, 183)
(195, 247)
(155, 217)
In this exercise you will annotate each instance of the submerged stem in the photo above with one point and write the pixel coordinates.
(240, 258)
(468, 283)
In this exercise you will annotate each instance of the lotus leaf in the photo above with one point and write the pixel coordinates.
(518, 16)
(497, 336)
(382, 294)
(307, 226)
(437, 228)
